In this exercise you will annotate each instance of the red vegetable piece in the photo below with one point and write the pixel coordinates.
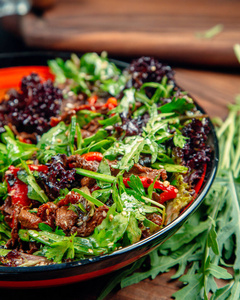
(200, 182)
(19, 192)
(198, 186)
(169, 191)
(91, 156)
(92, 100)
(111, 103)
(39, 168)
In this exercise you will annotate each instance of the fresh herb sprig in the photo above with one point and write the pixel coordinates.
(210, 240)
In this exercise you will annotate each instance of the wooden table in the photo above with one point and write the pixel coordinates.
(129, 28)
(166, 29)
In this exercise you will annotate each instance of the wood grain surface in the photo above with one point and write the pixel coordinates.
(166, 29)
(212, 91)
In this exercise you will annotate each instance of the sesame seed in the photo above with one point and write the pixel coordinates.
(153, 68)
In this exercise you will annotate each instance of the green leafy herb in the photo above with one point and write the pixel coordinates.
(34, 190)
(178, 105)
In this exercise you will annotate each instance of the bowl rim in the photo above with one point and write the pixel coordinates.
(164, 231)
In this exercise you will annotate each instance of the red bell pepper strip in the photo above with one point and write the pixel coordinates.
(197, 187)
(111, 103)
(88, 107)
(200, 182)
(92, 100)
(38, 168)
(19, 190)
(91, 156)
(169, 191)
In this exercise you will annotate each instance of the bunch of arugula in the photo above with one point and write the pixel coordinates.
(209, 242)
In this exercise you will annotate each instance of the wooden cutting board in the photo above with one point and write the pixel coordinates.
(165, 29)
(212, 91)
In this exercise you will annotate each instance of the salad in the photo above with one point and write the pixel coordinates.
(96, 159)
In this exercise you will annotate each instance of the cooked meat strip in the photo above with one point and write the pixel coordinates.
(24, 136)
(65, 218)
(87, 181)
(93, 126)
(28, 220)
(87, 227)
(155, 218)
(32, 247)
(139, 170)
(156, 197)
(71, 197)
(7, 207)
(76, 161)
(47, 212)
(12, 219)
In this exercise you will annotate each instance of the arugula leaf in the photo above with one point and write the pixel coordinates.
(113, 86)
(179, 140)
(53, 142)
(127, 100)
(177, 105)
(110, 121)
(86, 116)
(17, 150)
(103, 194)
(131, 149)
(34, 190)
(98, 136)
(3, 189)
(104, 168)
(133, 232)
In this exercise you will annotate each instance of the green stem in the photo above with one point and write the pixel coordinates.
(153, 202)
(229, 142)
(95, 175)
(89, 198)
(235, 164)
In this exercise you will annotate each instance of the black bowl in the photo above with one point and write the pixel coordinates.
(64, 273)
